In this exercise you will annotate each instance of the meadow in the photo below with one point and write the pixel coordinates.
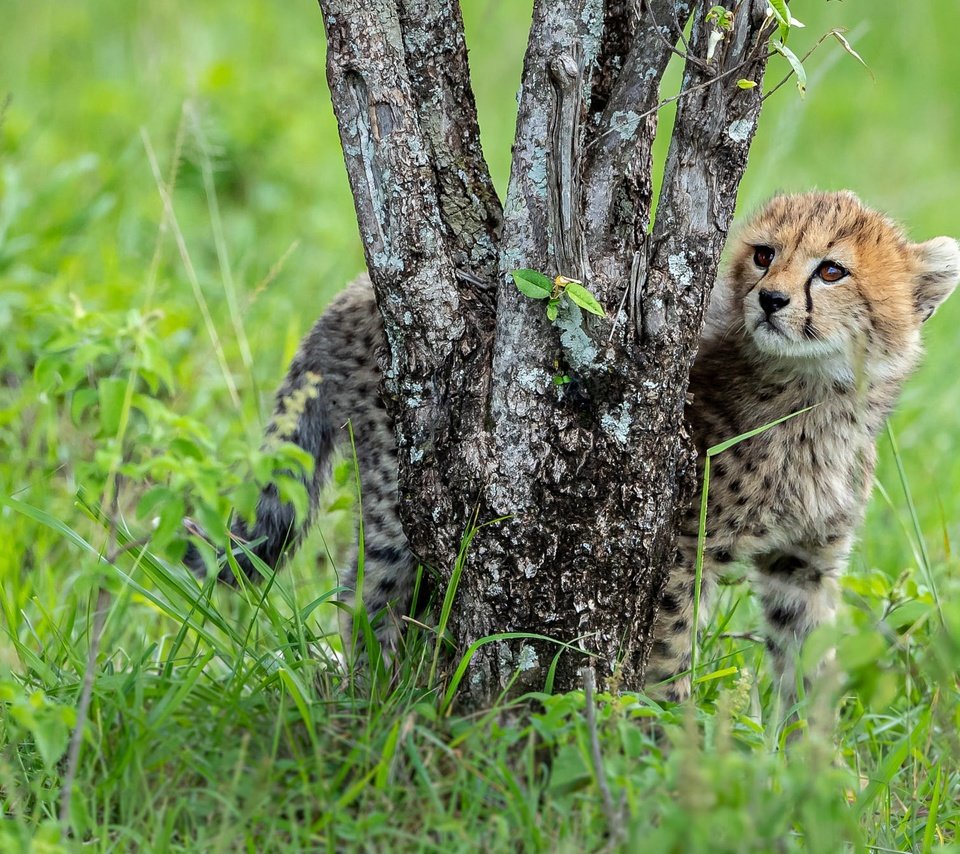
(174, 213)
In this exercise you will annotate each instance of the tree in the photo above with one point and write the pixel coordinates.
(586, 477)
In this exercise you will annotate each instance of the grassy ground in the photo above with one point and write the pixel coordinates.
(141, 349)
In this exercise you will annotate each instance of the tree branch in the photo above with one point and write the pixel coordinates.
(614, 815)
(566, 34)
(436, 60)
(618, 173)
(620, 19)
(393, 183)
(410, 226)
(687, 56)
(566, 29)
(706, 160)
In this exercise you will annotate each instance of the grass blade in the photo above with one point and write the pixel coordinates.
(915, 520)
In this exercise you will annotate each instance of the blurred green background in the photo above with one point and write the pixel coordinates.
(92, 85)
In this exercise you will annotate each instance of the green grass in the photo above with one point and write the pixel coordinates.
(219, 721)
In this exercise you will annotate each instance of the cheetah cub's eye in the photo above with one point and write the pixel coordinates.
(763, 256)
(831, 271)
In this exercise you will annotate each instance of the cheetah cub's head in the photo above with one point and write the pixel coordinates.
(822, 279)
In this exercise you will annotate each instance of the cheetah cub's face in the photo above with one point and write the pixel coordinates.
(822, 279)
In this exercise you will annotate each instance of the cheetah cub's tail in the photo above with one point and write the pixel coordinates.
(302, 416)
(312, 405)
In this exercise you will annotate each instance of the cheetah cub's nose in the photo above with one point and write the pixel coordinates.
(772, 301)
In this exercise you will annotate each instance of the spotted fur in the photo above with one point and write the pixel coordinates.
(781, 338)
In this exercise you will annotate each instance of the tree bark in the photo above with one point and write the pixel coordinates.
(586, 478)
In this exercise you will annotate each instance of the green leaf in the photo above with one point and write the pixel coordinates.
(207, 516)
(719, 16)
(532, 284)
(245, 498)
(716, 674)
(461, 669)
(47, 371)
(795, 64)
(930, 831)
(51, 734)
(170, 518)
(80, 402)
(909, 613)
(111, 391)
(552, 309)
(746, 84)
(155, 363)
(151, 498)
(880, 778)
(186, 448)
(782, 14)
(344, 502)
(583, 298)
(839, 36)
(861, 650)
(291, 490)
(736, 440)
(385, 765)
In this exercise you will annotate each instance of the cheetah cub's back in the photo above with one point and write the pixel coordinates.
(820, 310)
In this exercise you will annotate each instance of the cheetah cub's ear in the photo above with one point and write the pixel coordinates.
(938, 269)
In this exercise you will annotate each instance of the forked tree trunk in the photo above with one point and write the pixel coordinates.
(586, 478)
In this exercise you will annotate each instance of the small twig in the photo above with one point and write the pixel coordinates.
(113, 554)
(83, 707)
(272, 273)
(676, 23)
(667, 101)
(627, 292)
(470, 278)
(686, 56)
(166, 199)
(803, 59)
(104, 598)
(614, 816)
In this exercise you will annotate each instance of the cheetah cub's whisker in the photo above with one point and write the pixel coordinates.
(821, 306)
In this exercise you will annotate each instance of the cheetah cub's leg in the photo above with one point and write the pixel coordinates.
(388, 575)
(670, 656)
(389, 569)
(798, 592)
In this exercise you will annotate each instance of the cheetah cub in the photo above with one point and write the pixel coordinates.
(820, 309)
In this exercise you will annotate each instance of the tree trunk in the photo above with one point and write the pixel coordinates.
(586, 478)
